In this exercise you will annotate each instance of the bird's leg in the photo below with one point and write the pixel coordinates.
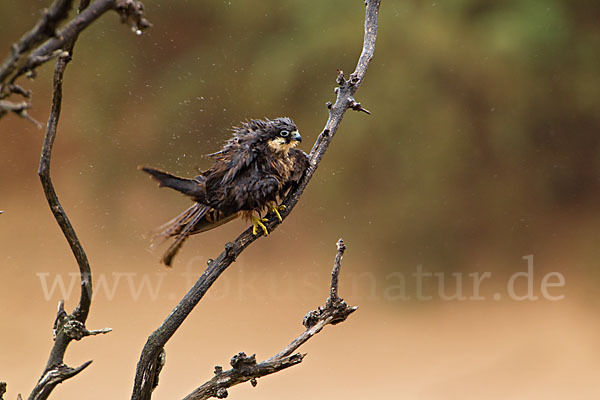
(275, 210)
(258, 221)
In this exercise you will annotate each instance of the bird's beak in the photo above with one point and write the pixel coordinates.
(296, 136)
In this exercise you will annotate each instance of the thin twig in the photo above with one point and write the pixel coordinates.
(54, 376)
(337, 264)
(246, 369)
(128, 9)
(45, 28)
(25, 57)
(145, 376)
(20, 109)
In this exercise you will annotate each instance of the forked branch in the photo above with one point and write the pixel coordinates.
(147, 374)
(246, 368)
(45, 42)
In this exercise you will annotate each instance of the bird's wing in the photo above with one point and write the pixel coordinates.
(265, 188)
(237, 163)
(235, 157)
(300, 164)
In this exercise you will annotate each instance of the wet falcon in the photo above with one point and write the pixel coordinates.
(250, 176)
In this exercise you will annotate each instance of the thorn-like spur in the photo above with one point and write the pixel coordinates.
(356, 106)
(275, 210)
(258, 221)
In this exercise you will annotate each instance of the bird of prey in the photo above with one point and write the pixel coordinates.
(250, 176)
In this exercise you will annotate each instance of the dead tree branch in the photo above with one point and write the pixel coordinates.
(25, 57)
(67, 327)
(146, 373)
(43, 29)
(246, 369)
(56, 371)
(19, 108)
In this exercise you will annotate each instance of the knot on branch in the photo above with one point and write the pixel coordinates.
(356, 106)
(71, 326)
(340, 78)
(159, 363)
(335, 311)
(61, 318)
(241, 361)
(311, 318)
(338, 310)
(221, 393)
(132, 13)
(74, 329)
(231, 250)
(353, 79)
(345, 93)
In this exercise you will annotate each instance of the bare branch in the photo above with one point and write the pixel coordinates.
(25, 58)
(18, 108)
(64, 330)
(130, 11)
(52, 377)
(6, 106)
(52, 198)
(337, 264)
(246, 369)
(145, 374)
(45, 28)
(67, 327)
(2, 390)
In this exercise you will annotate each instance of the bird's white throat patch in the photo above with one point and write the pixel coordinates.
(280, 145)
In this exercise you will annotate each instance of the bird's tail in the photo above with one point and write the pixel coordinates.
(195, 188)
(181, 227)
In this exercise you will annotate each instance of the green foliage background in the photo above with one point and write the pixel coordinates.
(484, 137)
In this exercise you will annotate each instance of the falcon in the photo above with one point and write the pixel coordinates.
(249, 178)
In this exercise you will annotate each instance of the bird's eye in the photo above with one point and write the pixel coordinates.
(284, 133)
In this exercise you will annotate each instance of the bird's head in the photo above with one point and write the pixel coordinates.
(279, 134)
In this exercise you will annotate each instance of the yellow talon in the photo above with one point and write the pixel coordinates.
(256, 222)
(275, 210)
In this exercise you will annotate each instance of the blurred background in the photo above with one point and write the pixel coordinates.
(483, 147)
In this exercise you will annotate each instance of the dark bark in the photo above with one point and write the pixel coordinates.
(66, 327)
(146, 374)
